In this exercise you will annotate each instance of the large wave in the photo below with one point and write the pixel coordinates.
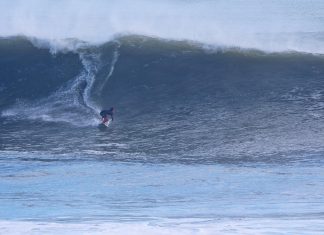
(177, 94)
(147, 70)
(291, 25)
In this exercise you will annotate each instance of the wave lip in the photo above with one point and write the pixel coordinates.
(268, 25)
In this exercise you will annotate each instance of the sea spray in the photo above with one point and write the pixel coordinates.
(292, 25)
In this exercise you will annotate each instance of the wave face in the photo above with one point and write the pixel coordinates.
(172, 98)
(293, 25)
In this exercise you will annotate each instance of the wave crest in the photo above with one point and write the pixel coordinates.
(264, 25)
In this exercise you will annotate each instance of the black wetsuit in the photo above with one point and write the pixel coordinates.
(105, 113)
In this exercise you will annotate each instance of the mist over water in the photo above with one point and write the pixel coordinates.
(265, 25)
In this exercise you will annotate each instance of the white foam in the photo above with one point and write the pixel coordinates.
(237, 226)
(267, 25)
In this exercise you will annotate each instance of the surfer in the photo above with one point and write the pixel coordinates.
(105, 113)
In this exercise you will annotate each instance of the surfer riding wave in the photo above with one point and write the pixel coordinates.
(105, 115)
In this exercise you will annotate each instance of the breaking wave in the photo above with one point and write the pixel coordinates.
(275, 26)
(205, 99)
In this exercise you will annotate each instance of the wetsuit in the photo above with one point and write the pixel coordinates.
(105, 113)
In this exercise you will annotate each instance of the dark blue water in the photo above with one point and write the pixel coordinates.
(206, 139)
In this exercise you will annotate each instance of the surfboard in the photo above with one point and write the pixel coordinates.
(103, 126)
(107, 123)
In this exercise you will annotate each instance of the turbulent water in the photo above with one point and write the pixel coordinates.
(212, 134)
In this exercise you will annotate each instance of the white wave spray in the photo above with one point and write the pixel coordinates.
(270, 25)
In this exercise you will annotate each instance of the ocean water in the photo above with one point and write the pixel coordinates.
(218, 125)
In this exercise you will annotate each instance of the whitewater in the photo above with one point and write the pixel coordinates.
(267, 25)
(218, 126)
